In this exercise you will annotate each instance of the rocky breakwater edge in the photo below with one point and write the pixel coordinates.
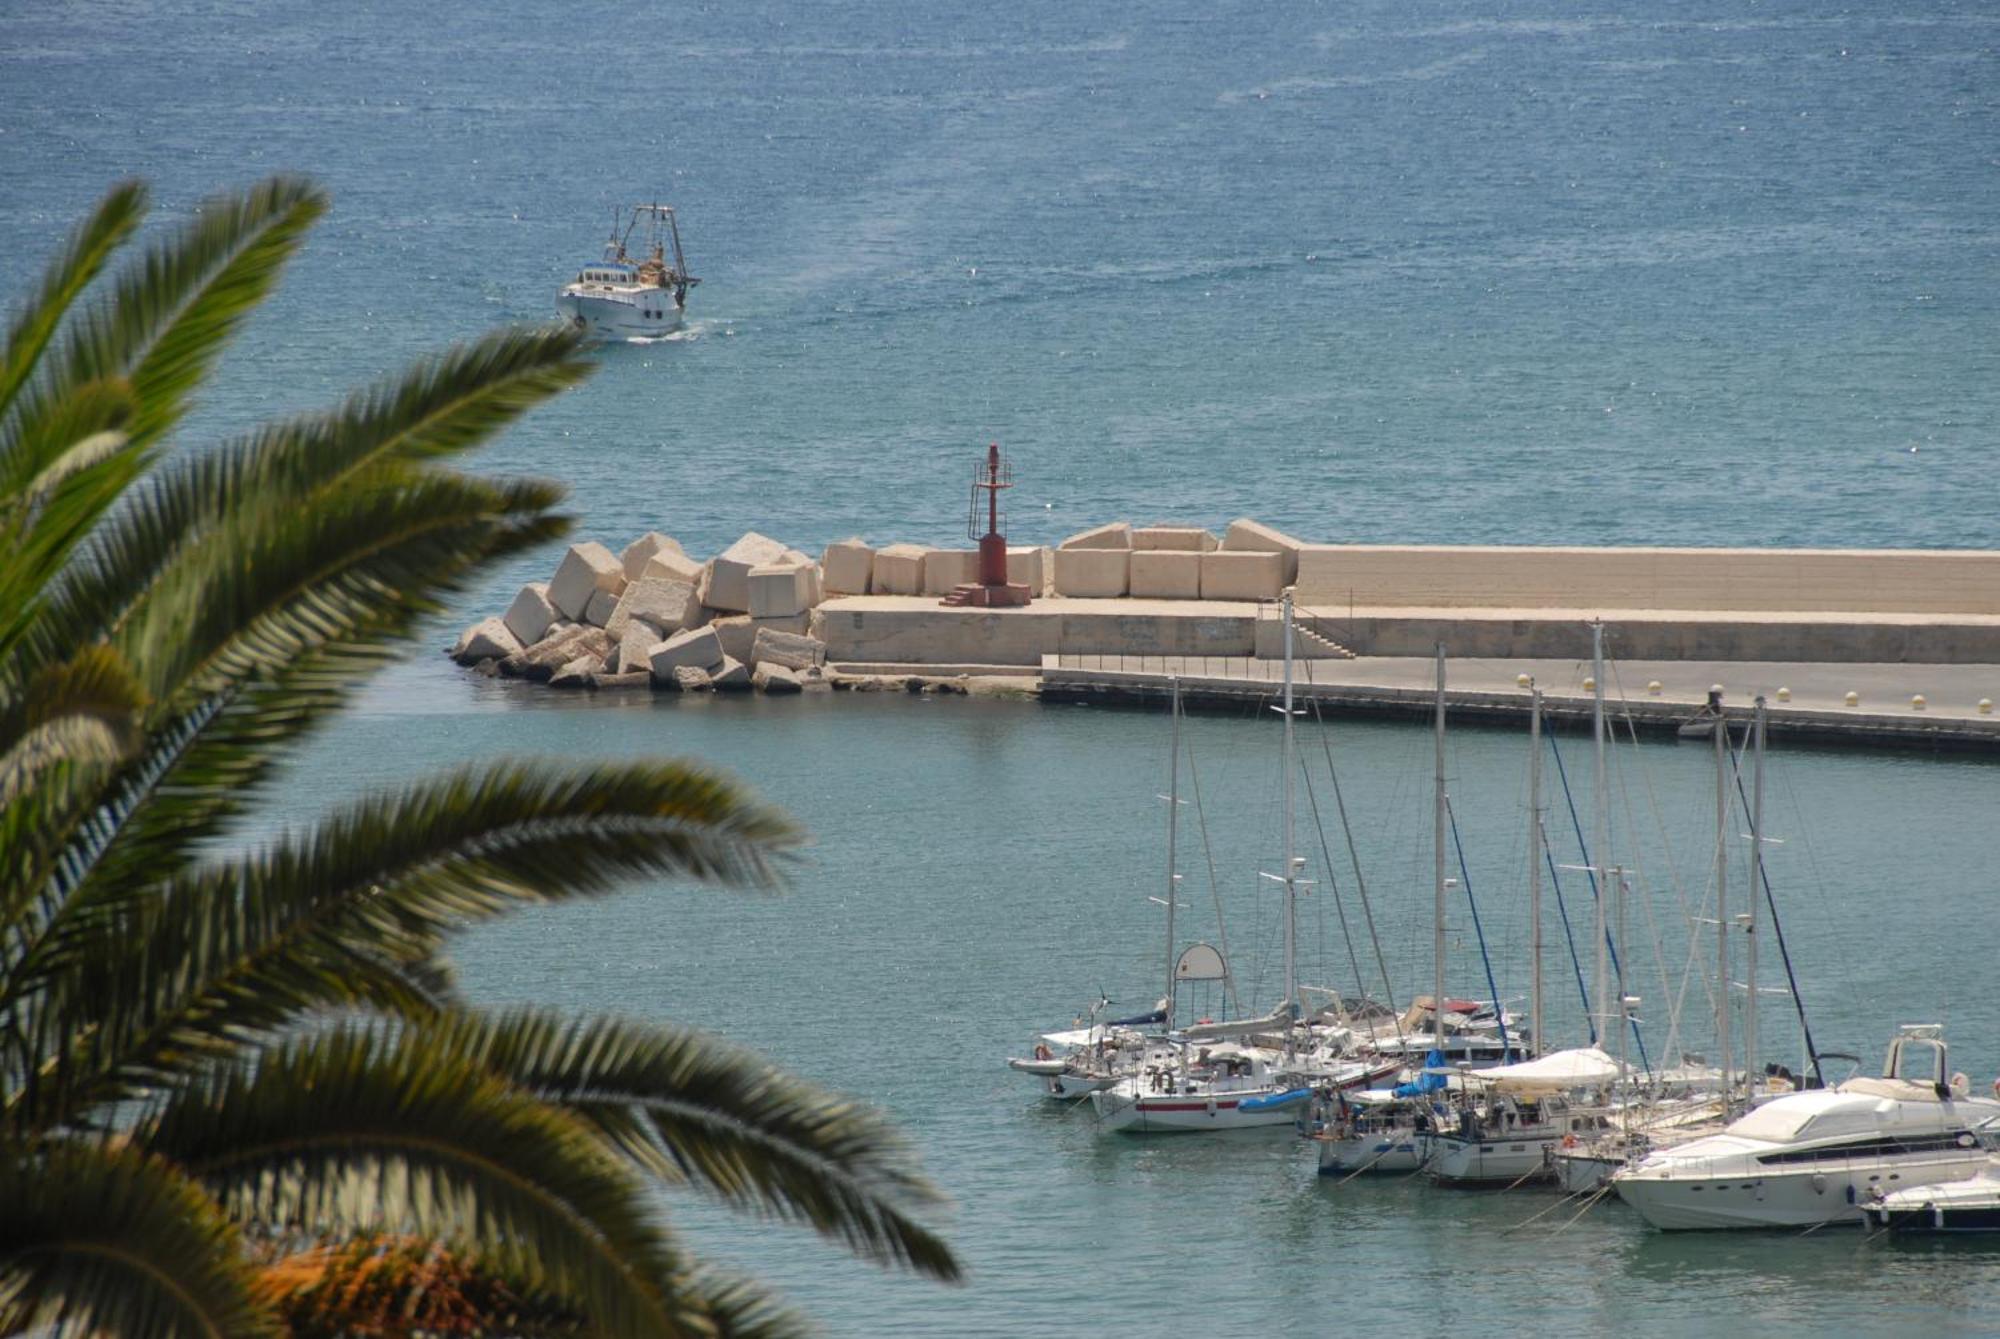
(652, 617)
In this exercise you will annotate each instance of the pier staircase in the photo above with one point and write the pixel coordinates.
(1314, 636)
(1312, 644)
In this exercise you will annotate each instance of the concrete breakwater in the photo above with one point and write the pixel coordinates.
(762, 615)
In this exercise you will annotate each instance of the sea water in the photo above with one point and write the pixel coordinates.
(1372, 272)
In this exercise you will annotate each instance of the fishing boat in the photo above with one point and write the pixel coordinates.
(1821, 1156)
(636, 291)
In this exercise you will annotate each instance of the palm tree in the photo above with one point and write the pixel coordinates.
(214, 1059)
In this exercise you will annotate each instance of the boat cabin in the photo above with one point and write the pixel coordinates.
(608, 274)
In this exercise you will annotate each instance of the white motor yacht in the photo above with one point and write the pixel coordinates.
(1820, 1156)
(623, 298)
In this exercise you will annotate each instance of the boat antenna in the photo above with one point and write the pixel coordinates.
(1437, 917)
(1173, 828)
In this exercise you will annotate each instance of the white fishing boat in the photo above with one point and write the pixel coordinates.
(1821, 1156)
(636, 291)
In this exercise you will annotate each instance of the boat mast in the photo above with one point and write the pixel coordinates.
(1756, 893)
(1600, 851)
(1535, 866)
(1437, 911)
(1291, 868)
(1173, 825)
(1722, 899)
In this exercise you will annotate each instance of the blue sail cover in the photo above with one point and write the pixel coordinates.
(1427, 1082)
(1140, 1020)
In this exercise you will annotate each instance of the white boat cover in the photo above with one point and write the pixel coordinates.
(1584, 1067)
(1242, 1027)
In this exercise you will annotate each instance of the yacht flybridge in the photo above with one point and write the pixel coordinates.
(637, 291)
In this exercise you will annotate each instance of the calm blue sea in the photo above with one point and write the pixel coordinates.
(1715, 274)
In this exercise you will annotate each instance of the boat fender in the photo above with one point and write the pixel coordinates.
(1569, 1141)
(1042, 1052)
(1819, 1183)
(1850, 1194)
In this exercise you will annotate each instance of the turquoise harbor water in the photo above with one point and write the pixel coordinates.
(1375, 272)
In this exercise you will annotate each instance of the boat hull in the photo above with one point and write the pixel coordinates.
(1827, 1192)
(1388, 1151)
(1583, 1173)
(1168, 1114)
(1490, 1162)
(621, 317)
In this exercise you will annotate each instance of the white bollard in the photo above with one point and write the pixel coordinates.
(1853, 699)
(1784, 695)
(1589, 684)
(1525, 680)
(1654, 687)
(1917, 702)
(1985, 706)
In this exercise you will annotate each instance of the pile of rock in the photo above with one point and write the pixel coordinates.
(653, 616)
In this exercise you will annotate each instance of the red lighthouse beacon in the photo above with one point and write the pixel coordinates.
(993, 589)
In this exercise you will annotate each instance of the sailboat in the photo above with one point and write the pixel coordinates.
(1222, 1076)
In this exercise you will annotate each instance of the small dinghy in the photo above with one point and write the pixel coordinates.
(1971, 1205)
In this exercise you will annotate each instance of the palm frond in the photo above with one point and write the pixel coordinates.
(96, 1240)
(726, 1121)
(353, 1131)
(153, 982)
(114, 219)
(740, 1309)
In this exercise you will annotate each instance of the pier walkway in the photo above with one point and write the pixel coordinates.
(1487, 689)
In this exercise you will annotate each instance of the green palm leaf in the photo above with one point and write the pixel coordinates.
(96, 1241)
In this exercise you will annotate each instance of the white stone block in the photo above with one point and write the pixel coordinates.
(586, 569)
(781, 590)
(1242, 575)
(691, 680)
(1117, 535)
(528, 618)
(1028, 565)
(635, 647)
(731, 674)
(813, 590)
(488, 639)
(666, 604)
(1092, 573)
(945, 569)
(729, 572)
(1247, 536)
(899, 570)
(602, 605)
(775, 679)
(1166, 574)
(642, 550)
(675, 566)
(845, 566)
(698, 647)
(790, 649)
(1176, 538)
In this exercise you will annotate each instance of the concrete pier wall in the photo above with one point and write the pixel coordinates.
(889, 629)
(1797, 581)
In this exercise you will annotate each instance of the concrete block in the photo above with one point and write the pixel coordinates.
(668, 605)
(737, 632)
(731, 675)
(628, 679)
(771, 647)
(1028, 565)
(528, 618)
(797, 559)
(1117, 535)
(576, 673)
(729, 572)
(780, 590)
(775, 679)
(947, 568)
(1166, 574)
(1242, 576)
(585, 570)
(899, 570)
(602, 605)
(488, 639)
(1247, 536)
(845, 566)
(691, 680)
(540, 661)
(675, 566)
(642, 550)
(699, 647)
(1092, 573)
(1175, 538)
(635, 647)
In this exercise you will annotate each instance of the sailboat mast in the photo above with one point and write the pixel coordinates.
(1722, 898)
(1756, 895)
(1601, 843)
(1173, 831)
(1437, 911)
(1535, 867)
(1291, 871)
